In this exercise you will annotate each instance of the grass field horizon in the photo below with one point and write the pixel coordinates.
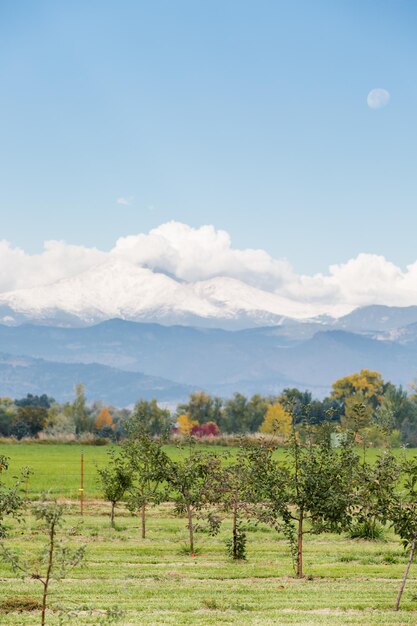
(57, 466)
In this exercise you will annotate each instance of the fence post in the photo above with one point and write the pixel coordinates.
(82, 485)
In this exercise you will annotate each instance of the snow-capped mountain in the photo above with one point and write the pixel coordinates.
(123, 290)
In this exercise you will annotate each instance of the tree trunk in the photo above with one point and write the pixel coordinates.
(45, 593)
(113, 506)
(190, 527)
(143, 510)
(48, 571)
(300, 546)
(235, 555)
(407, 569)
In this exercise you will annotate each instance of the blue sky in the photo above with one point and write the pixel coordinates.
(251, 116)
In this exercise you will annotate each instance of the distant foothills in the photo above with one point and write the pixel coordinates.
(120, 362)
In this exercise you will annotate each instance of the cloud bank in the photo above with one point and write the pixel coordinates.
(193, 255)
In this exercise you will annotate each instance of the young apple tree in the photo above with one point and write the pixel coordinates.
(55, 560)
(403, 514)
(233, 490)
(115, 478)
(11, 499)
(310, 492)
(148, 465)
(188, 479)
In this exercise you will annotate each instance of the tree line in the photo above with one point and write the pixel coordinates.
(379, 412)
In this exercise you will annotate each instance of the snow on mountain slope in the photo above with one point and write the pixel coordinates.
(112, 289)
(238, 297)
(120, 289)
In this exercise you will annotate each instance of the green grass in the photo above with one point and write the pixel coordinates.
(57, 466)
(351, 582)
(154, 582)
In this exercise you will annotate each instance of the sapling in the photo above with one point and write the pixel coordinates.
(11, 500)
(320, 490)
(232, 491)
(148, 465)
(115, 478)
(55, 560)
(375, 490)
(188, 480)
(314, 485)
(403, 514)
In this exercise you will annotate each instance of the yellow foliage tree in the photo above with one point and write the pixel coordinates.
(277, 421)
(367, 383)
(104, 418)
(185, 423)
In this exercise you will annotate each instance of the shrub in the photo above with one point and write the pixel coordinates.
(209, 429)
(369, 530)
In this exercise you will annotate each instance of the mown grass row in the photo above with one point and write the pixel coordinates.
(154, 581)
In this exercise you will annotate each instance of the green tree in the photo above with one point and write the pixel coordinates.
(7, 414)
(233, 491)
(256, 409)
(234, 418)
(296, 402)
(42, 401)
(403, 514)
(311, 492)
(375, 488)
(149, 466)
(11, 500)
(240, 415)
(79, 410)
(28, 421)
(320, 490)
(148, 417)
(187, 479)
(56, 559)
(115, 478)
(202, 408)
(358, 413)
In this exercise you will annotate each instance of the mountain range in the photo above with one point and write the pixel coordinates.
(118, 289)
(120, 361)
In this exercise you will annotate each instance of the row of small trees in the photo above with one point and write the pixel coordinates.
(313, 488)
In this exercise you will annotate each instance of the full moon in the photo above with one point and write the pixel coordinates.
(378, 98)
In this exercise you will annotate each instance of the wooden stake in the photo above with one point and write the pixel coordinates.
(82, 485)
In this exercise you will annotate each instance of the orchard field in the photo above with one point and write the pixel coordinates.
(132, 581)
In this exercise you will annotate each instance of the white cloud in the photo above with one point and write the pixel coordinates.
(195, 255)
(19, 270)
(125, 201)
(378, 98)
(200, 253)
